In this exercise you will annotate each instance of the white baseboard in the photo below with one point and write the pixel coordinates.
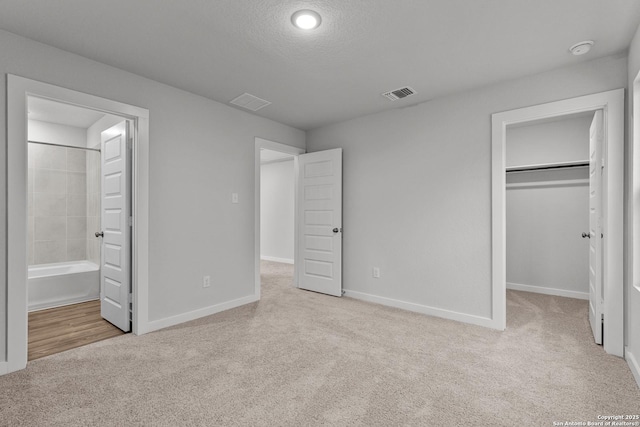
(4, 368)
(47, 305)
(548, 291)
(196, 314)
(276, 259)
(424, 309)
(633, 364)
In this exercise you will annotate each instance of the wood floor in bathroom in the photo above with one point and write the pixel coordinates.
(62, 328)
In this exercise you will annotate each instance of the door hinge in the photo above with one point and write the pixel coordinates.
(130, 221)
(130, 306)
(129, 144)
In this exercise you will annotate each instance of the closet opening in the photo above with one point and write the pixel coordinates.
(604, 234)
(547, 202)
(554, 215)
(553, 209)
(547, 206)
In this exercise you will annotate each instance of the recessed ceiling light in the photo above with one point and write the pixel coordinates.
(581, 48)
(306, 19)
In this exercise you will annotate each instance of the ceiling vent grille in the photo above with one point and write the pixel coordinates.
(250, 102)
(400, 93)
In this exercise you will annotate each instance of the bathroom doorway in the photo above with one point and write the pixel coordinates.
(64, 226)
(136, 144)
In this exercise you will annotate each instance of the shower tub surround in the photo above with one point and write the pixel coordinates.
(63, 215)
(54, 285)
(58, 203)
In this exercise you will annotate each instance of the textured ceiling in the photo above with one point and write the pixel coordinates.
(223, 48)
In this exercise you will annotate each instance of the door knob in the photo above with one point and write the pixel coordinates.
(335, 230)
(99, 233)
(586, 235)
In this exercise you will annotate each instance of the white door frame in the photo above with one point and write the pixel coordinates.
(18, 89)
(633, 240)
(261, 143)
(612, 104)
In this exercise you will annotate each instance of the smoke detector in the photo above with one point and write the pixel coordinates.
(581, 48)
(399, 93)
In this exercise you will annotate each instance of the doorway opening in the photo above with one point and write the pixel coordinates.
(64, 199)
(608, 164)
(547, 214)
(317, 217)
(133, 119)
(276, 217)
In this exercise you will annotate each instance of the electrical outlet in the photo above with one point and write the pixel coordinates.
(206, 281)
(376, 272)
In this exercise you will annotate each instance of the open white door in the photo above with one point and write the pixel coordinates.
(115, 268)
(319, 257)
(596, 168)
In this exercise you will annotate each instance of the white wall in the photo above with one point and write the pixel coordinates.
(545, 250)
(546, 211)
(417, 189)
(54, 133)
(549, 142)
(200, 152)
(632, 220)
(276, 211)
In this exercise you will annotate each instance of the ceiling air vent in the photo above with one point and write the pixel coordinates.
(396, 94)
(250, 102)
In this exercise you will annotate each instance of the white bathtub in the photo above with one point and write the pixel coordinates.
(54, 285)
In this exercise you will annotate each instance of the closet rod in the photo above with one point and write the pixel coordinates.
(548, 167)
(65, 146)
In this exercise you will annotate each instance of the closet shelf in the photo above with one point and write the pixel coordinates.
(547, 166)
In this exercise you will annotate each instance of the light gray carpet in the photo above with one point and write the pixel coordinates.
(299, 358)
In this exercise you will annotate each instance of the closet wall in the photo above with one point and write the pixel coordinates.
(548, 210)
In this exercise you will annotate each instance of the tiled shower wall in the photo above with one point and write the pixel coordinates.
(57, 204)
